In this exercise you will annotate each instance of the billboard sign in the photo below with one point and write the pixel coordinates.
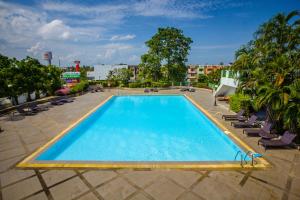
(70, 75)
(48, 55)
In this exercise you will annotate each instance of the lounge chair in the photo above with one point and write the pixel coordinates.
(257, 132)
(57, 102)
(250, 123)
(285, 141)
(237, 116)
(184, 89)
(146, 90)
(25, 112)
(98, 89)
(155, 90)
(191, 90)
(34, 107)
(267, 136)
(66, 100)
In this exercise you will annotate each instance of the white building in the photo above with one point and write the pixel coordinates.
(101, 71)
(228, 83)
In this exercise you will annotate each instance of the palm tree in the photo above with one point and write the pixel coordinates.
(292, 109)
(269, 68)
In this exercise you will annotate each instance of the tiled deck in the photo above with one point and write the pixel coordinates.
(23, 135)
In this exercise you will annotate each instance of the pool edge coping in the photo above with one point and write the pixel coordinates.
(27, 163)
(226, 131)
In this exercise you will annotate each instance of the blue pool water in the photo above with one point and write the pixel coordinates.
(144, 128)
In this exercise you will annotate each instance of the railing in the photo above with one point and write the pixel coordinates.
(242, 157)
(250, 154)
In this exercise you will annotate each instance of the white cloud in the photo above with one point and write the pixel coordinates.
(222, 46)
(98, 14)
(77, 31)
(134, 59)
(122, 37)
(112, 49)
(35, 49)
(163, 8)
(115, 13)
(55, 29)
(18, 24)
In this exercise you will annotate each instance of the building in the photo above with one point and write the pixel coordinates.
(101, 71)
(200, 69)
(206, 69)
(192, 73)
(228, 83)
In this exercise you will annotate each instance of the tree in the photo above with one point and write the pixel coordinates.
(123, 75)
(52, 81)
(202, 78)
(269, 69)
(149, 68)
(5, 64)
(27, 76)
(169, 48)
(214, 77)
(30, 76)
(83, 72)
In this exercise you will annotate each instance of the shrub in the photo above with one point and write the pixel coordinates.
(112, 83)
(240, 101)
(103, 83)
(146, 83)
(201, 85)
(122, 84)
(135, 85)
(83, 85)
(161, 84)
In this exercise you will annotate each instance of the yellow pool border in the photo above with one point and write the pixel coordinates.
(28, 163)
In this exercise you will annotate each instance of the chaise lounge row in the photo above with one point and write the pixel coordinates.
(150, 90)
(33, 108)
(251, 128)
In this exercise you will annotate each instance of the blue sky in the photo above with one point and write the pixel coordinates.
(112, 32)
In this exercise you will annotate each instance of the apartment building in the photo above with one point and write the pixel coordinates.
(210, 68)
(195, 70)
(192, 73)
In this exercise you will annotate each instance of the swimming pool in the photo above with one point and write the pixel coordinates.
(138, 129)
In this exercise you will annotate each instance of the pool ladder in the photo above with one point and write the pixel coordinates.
(241, 156)
(251, 154)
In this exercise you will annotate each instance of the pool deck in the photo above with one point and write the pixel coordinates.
(25, 134)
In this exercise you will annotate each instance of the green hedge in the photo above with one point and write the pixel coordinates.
(83, 85)
(161, 84)
(135, 85)
(149, 84)
(107, 83)
(240, 101)
(201, 85)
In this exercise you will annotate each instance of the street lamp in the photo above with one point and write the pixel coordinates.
(215, 104)
(215, 90)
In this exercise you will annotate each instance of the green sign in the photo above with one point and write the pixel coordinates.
(69, 75)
